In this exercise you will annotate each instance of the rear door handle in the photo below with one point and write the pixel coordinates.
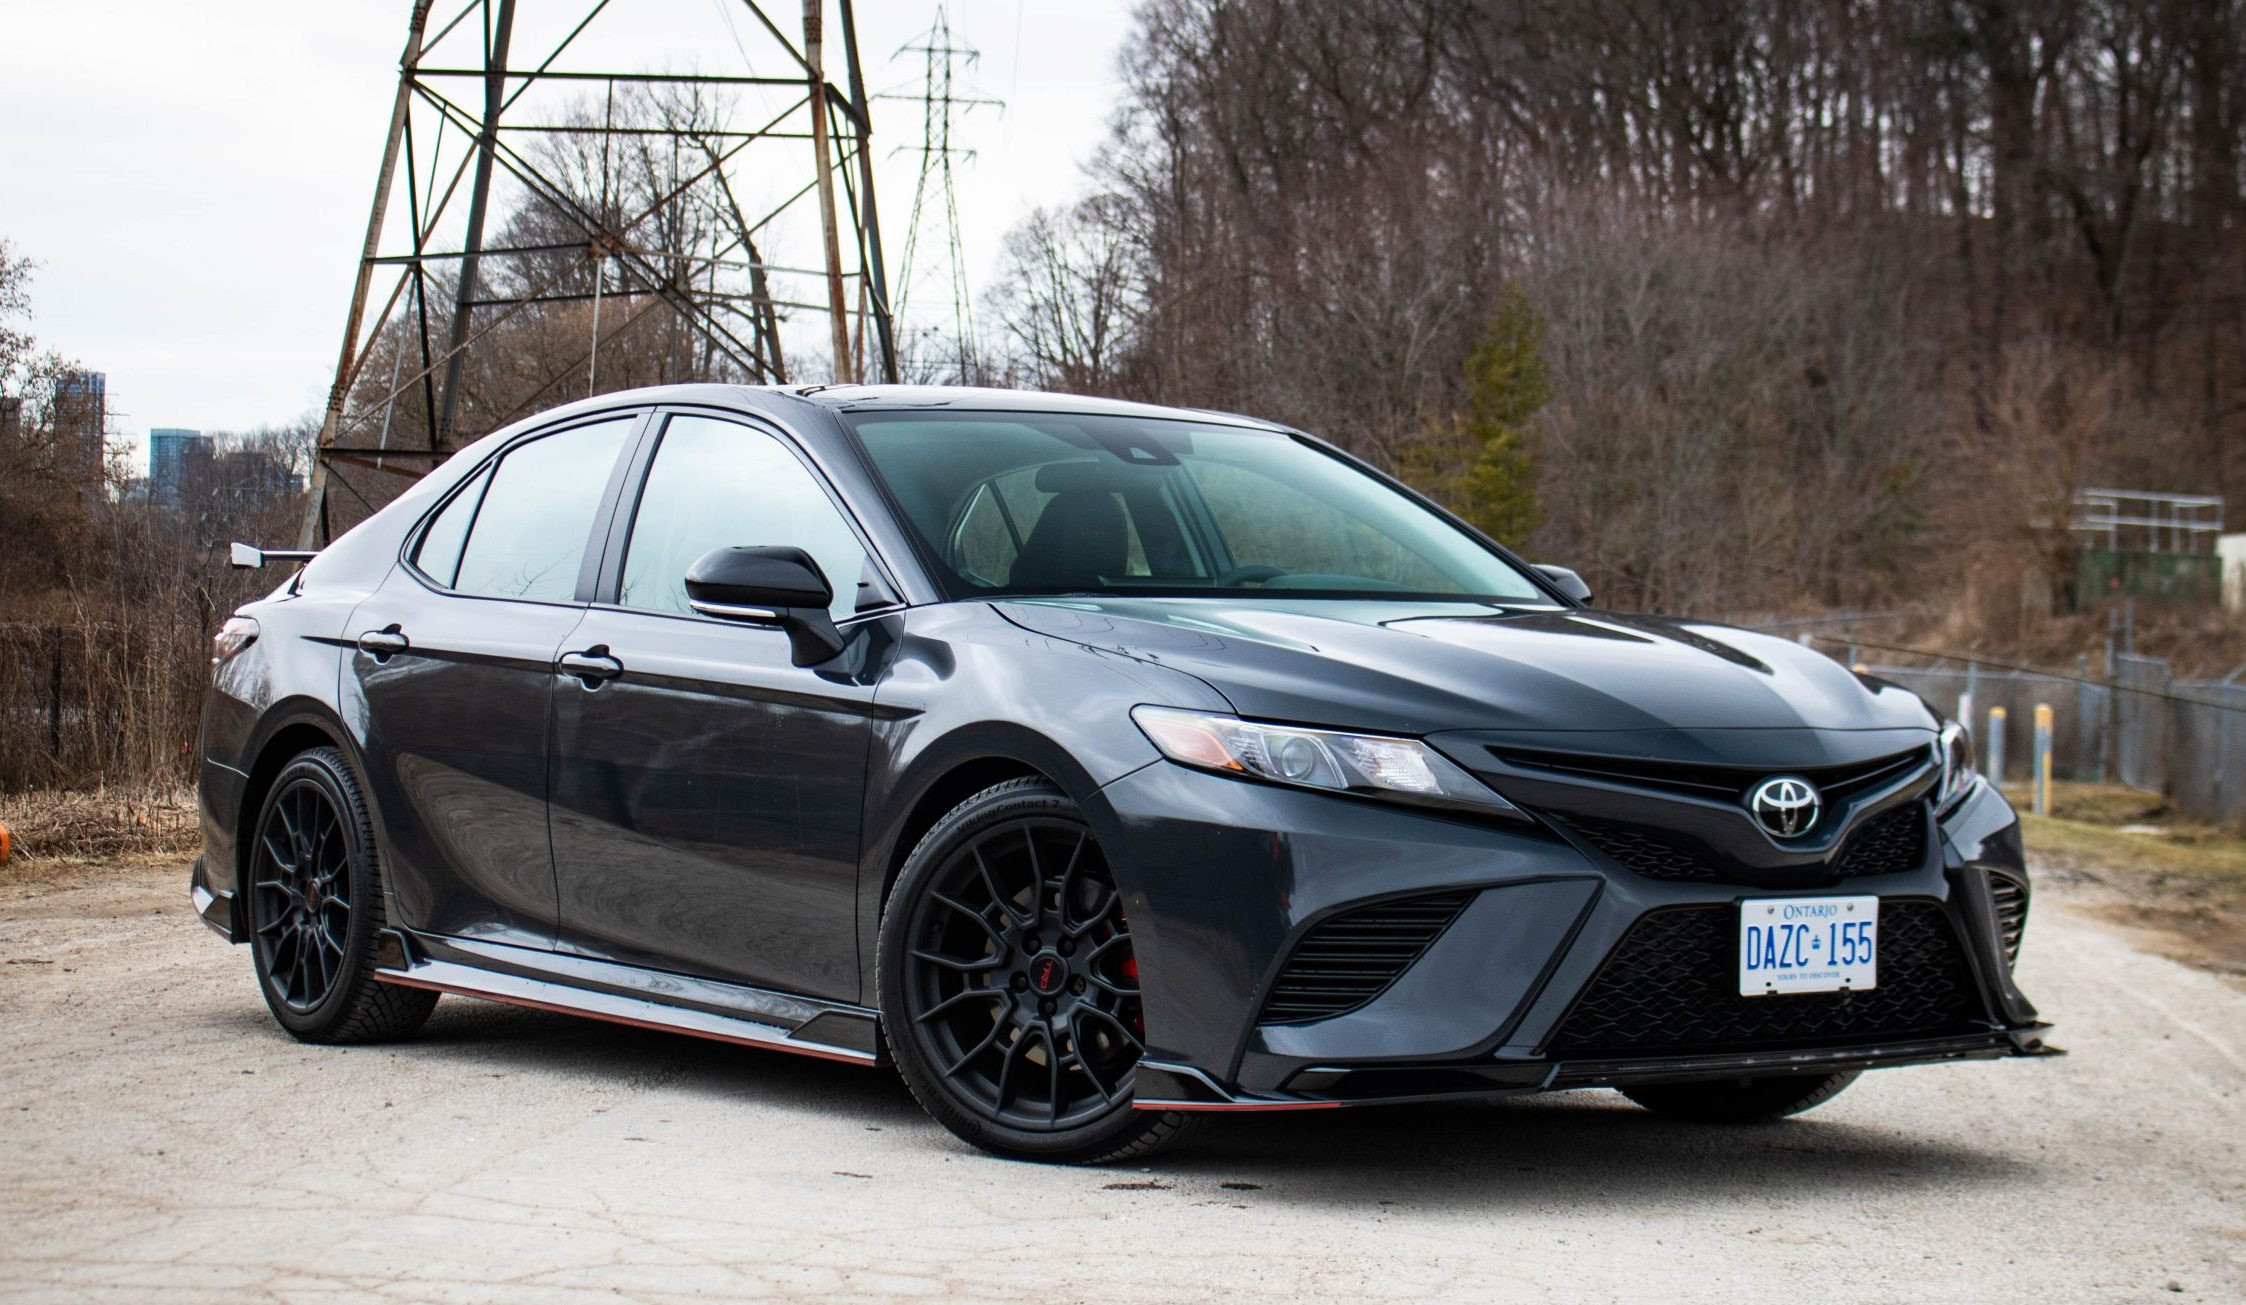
(384, 644)
(593, 665)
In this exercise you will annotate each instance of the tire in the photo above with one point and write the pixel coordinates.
(1740, 1100)
(313, 946)
(1008, 883)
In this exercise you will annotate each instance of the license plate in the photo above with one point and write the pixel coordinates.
(1808, 944)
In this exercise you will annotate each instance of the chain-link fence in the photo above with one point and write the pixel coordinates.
(2184, 739)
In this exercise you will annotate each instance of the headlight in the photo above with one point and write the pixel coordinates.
(1370, 765)
(1959, 766)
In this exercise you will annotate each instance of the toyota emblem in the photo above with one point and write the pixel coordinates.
(1785, 806)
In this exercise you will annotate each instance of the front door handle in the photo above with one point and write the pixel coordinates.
(385, 643)
(593, 665)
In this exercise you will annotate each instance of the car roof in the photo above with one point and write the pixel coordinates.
(972, 398)
(775, 400)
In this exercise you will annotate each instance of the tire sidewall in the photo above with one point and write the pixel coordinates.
(325, 769)
(987, 810)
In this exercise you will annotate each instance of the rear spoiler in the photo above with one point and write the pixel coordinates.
(249, 557)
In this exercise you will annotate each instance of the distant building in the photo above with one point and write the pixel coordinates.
(81, 422)
(176, 459)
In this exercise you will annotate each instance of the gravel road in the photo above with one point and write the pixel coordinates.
(161, 1140)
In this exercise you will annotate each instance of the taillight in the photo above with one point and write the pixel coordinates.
(238, 633)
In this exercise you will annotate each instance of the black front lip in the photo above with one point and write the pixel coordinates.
(1179, 1087)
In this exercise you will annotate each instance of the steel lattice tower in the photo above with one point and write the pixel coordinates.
(551, 221)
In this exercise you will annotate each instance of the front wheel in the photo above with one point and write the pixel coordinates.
(1740, 1100)
(1008, 987)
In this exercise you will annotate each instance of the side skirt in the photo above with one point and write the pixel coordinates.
(620, 994)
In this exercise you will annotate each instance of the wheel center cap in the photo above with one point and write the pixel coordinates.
(1048, 974)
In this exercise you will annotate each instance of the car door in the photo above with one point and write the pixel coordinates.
(707, 791)
(453, 679)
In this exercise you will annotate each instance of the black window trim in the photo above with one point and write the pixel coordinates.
(623, 509)
(590, 561)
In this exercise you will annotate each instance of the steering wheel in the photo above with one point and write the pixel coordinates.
(1241, 575)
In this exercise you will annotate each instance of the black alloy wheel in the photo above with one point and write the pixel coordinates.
(300, 894)
(315, 909)
(1009, 988)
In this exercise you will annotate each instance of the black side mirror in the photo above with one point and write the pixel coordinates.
(1566, 581)
(771, 586)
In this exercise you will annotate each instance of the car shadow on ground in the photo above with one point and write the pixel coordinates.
(1581, 1147)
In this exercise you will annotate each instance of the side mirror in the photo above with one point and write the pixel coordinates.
(1566, 581)
(768, 586)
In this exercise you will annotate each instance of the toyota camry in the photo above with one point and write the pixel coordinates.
(1096, 766)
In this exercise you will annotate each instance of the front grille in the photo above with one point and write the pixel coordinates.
(1889, 843)
(2011, 913)
(1352, 958)
(1672, 987)
(1636, 849)
(1723, 783)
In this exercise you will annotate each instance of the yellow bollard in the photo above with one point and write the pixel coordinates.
(2043, 759)
(1992, 747)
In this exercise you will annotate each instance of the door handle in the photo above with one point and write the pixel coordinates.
(384, 644)
(594, 666)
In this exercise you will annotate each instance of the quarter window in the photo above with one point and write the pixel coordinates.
(719, 484)
(438, 553)
(527, 536)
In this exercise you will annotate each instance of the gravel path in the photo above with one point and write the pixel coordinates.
(161, 1140)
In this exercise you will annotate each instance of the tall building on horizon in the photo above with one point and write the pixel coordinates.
(81, 424)
(176, 456)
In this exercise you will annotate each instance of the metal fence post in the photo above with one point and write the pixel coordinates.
(2043, 758)
(1993, 749)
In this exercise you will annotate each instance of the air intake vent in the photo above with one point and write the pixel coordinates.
(1672, 988)
(2011, 913)
(1352, 958)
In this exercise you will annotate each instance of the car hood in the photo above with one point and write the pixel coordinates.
(1420, 667)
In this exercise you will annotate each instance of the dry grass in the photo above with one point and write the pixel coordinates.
(2185, 885)
(99, 824)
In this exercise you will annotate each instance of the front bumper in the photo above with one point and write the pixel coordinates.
(1224, 879)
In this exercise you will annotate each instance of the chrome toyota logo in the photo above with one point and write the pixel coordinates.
(1785, 807)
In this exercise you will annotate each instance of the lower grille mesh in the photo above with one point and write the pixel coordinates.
(1352, 958)
(1672, 986)
(2011, 913)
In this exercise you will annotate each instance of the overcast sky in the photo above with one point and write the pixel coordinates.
(193, 178)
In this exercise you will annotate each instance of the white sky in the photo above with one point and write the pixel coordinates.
(193, 178)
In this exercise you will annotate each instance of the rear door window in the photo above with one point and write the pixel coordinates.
(527, 534)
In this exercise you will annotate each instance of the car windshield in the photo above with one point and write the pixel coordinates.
(1034, 503)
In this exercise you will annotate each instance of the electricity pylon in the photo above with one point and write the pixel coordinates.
(572, 222)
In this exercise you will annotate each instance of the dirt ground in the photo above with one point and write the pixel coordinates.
(161, 1140)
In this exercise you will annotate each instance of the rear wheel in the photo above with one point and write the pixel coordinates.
(1008, 987)
(315, 909)
(1740, 1100)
